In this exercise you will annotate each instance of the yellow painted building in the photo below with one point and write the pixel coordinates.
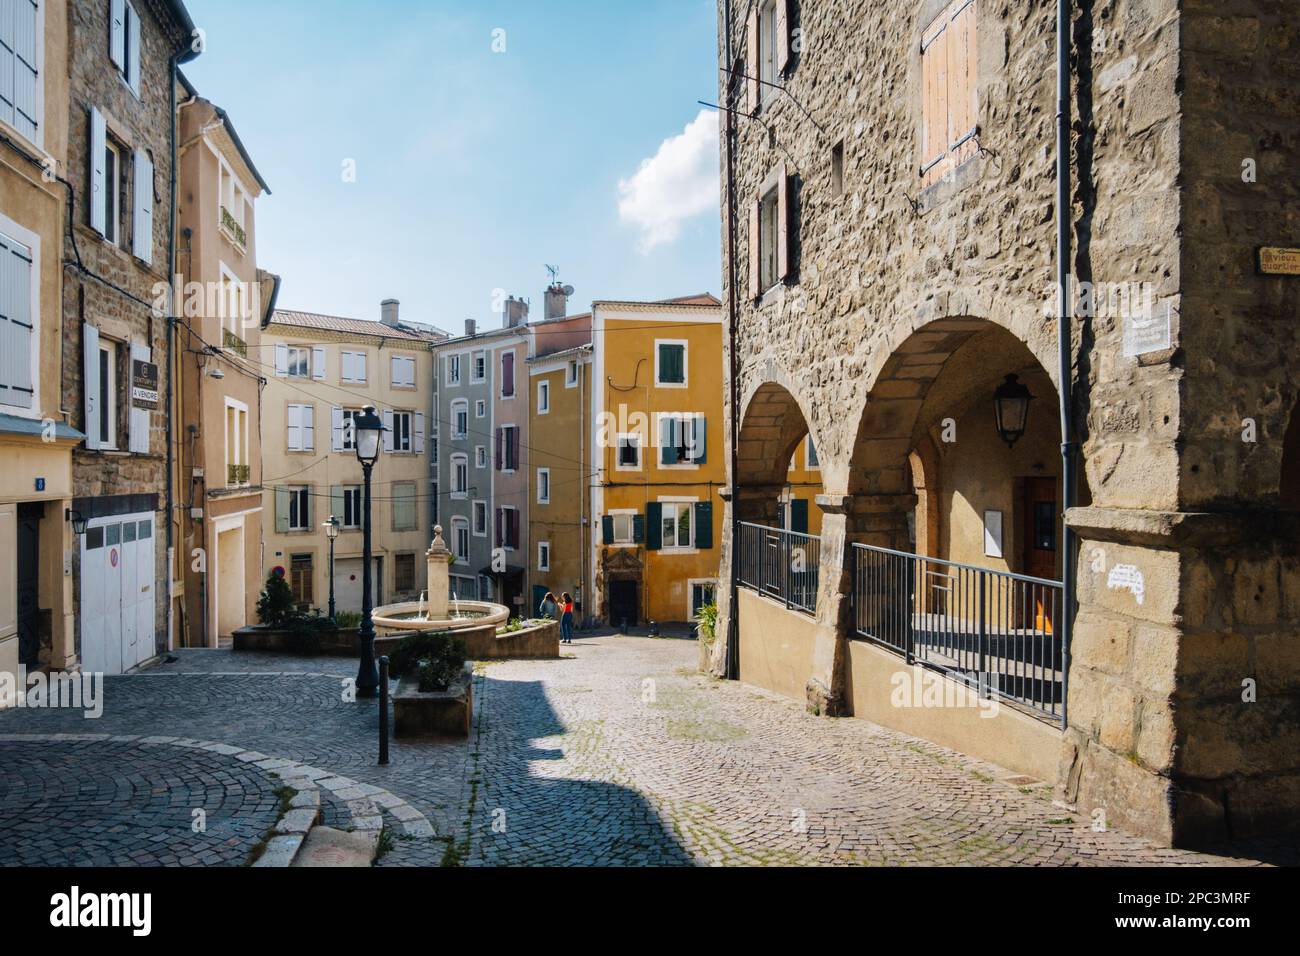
(798, 509)
(656, 458)
(36, 440)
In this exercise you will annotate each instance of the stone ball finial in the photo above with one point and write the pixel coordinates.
(437, 545)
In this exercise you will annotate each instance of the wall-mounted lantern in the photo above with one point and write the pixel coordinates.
(1011, 406)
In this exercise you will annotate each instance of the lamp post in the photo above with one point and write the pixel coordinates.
(368, 428)
(332, 532)
(1011, 406)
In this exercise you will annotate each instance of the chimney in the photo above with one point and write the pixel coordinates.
(516, 312)
(471, 327)
(388, 312)
(557, 301)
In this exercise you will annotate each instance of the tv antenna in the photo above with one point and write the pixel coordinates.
(555, 273)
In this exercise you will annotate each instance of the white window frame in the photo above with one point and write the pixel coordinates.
(354, 492)
(32, 242)
(113, 193)
(107, 400)
(410, 432)
(38, 104)
(459, 524)
(543, 397)
(571, 376)
(686, 363)
(453, 370)
(480, 456)
(543, 555)
(241, 440)
(300, 495)
(480, 408)
(352, 379)
(306, 363)
(679, 417)
(405, 360)
(675, 503)
(459, 490)
(630, 514)
(475, 376)
(480, 504)
(690, 587)
(459, 434)
(640, 451)
(543, 477)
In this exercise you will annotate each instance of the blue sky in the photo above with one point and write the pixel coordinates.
(474, 168)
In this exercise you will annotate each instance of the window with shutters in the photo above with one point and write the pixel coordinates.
(949, 97)
(402, 431)
(404, 573)
(508, 450)
(232, 208)
(352, 367)
(19, 312)
(767, 51)
(300, 428)
(403, 371)
(768, 224)
(682, 440)
(543, 486)
(629, 453)
(124, 45)
(459, 476)
(351, 516)
(109, 361)
(22, 58)
(404, 511)
(508, 531)
(112, 197)
(299, 361)
(507, 374)
(480, 519)
(300, 508)
(624, 527)
(677, 521)
(670, 363)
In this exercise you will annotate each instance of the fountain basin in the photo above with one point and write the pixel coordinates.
(477, 627)
(409, 616)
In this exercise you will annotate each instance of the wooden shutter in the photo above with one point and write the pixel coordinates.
(782, 35)
(514, 448)
(638, 529)
(417, 433)
(508, 374)
(500, 527)
(18, 56)
(799, 515)
(751, 60)
(934, 93)
(90, 382)
(703, 525)
(962, 115)
(388, 429)
(499, 448)
(16, 344)
(607, 529)
(318, 359)
(117, 33)
(133, 49)
(281, 360)
(755, 254)
(336, 429)
(514, 527)
(699, 440)
(142, 214)
(654, 519)
(783, 264)
(138, 421)
(281, 509)
(98, 177)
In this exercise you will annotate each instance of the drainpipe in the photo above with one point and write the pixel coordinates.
(1069, 449)
(732, 671)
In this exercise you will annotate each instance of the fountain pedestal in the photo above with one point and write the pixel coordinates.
(439, 579)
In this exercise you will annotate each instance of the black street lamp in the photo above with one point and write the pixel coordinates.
(1011, 406)
(332, 532)
(368, 429)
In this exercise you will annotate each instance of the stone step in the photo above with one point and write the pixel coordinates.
(326, 846)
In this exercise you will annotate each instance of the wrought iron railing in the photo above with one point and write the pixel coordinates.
(991, 628)
(232, 341)
(233, 227)
(782, 565)
(237, 474)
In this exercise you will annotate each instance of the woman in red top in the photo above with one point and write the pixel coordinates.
(566, 618)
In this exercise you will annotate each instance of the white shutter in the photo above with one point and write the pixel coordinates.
(117, 33)
(98, 144)
(417, 432)
(138, 423)
(90, 382)
(7, 58)
(308, 428)
(15, 323)
(293, 428)
(18, 78)
(336, 429)
(281, 359)
(133, 49)
(142, 217)
(388, 429)
(318, 359)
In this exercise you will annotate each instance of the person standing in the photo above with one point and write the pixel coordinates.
(566, 618)
(548, 606)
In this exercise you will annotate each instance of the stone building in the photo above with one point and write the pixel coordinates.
(121, 56)
(891, 264)
(225, 300)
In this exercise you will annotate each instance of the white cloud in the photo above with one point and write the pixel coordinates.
(678, 182)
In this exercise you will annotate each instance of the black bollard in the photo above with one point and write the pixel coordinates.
(383, 711)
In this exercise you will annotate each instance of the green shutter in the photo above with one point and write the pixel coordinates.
(638, 529)
(281, 509)
(607, 529)
(704, 525)
(799, 515)
(667, 441)
(670, 364)
(654, 517)
(699, 440)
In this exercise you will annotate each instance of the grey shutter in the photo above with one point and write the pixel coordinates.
(138, 421)
(90, 382)
(281, 509)
(336, 429)
(388, 429)
(98, 178)
(281, 360)
(703, 525)
(7, 59)
(318, 359)
(783, 259)
(654, 516)
(133, 49)
(16, 343)
(117, 33)
(20, 58)
(417, 433)
(142, 215)
(607, 529)
(309, 428)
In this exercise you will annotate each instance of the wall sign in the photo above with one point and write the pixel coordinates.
(1146, 331)
(1278, 261)
(144, 384)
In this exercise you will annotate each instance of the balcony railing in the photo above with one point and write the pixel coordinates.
(782, 565)
(233, 227)
(237, 474)
(233, 342)
(992, 628)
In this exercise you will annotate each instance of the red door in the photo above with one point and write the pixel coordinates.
(1042, 529)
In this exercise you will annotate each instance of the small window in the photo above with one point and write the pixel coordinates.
(404, 573)
(480, 456)
(402, 431)
(459, 476)
(571, 374)
(837, 169)
(94, 539)
(768, 228)
(543, 555)
(677, 522)
(113, 534)
(128, 532)
(460, 538)
(629, 453)
(623, 529)
(670, 363)
(453, 369)
(480, 519)
(543, 486)
(543, 397)
(480, 409)
(459, 420)
(299, 361)
(146, 529)
(479, 370)
(351, 516)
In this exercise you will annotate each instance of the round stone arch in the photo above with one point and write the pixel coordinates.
(772, 424)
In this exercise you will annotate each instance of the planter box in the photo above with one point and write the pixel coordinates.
(258, 637)
(436, 713)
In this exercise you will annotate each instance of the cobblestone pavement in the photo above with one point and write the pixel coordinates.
(618, 753)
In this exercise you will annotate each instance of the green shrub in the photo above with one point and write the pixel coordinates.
(275, 604)
(437, 657)
(706, 619)
(348, 619)
(305, 632)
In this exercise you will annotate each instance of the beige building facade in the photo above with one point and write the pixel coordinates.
(891, 278)
(321, 371)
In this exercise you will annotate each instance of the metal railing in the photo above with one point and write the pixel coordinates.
(993, 628)
(232, 341)
(782, 565)
(237, 474)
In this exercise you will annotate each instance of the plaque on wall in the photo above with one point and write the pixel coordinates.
(1278, 261)
(1146, 330)
(144, 384)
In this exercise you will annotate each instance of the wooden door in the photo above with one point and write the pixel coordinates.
(1041, 532)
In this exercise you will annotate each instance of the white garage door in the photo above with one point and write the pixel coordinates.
(347, 583)
(117, 593)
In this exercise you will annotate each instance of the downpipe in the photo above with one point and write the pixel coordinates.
(1064, 364)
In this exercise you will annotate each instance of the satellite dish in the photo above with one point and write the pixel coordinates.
(567, 290)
